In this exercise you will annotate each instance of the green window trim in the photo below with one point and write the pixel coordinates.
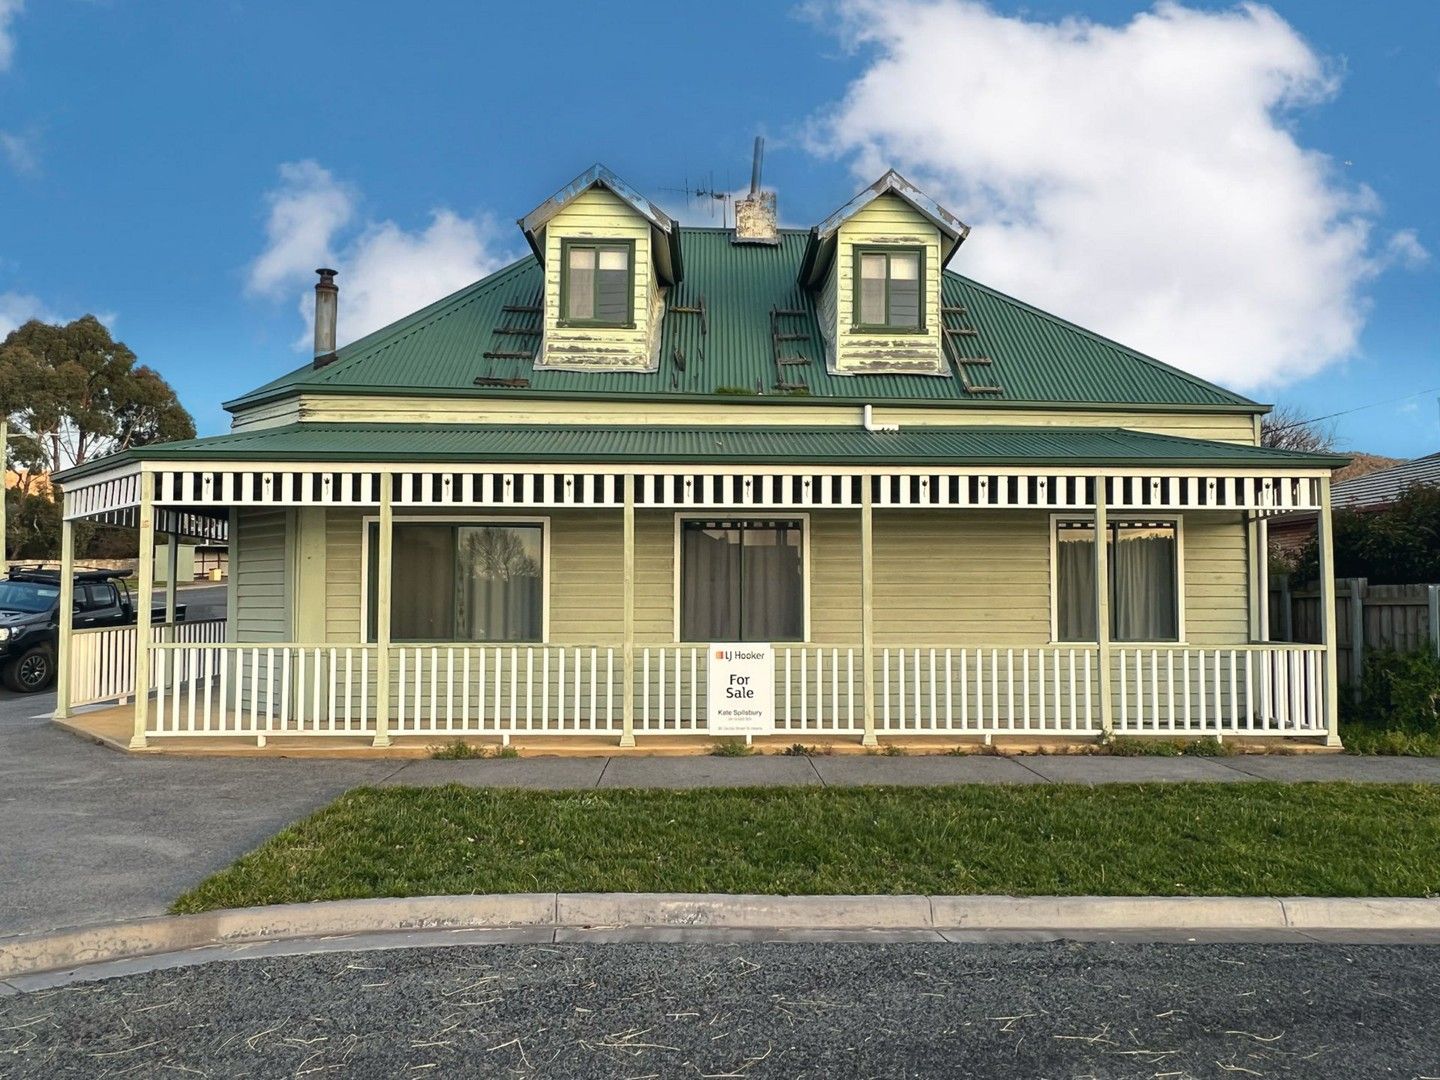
(858, 252)
(568, 244)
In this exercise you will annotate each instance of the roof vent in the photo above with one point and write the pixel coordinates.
(755, 214)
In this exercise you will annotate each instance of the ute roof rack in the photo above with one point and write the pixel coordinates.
(48, 575)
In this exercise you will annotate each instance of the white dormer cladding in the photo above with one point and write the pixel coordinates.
(875, 266)
(610, 257)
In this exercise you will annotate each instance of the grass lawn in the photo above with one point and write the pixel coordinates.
(1365, 739)
(1119, 839)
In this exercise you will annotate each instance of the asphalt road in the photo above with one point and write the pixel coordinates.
(760, 1010)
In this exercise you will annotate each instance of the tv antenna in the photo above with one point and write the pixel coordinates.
(707, 195)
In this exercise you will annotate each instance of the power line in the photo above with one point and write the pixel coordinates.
(1358, 408)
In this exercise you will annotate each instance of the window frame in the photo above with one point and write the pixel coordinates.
(678, 569)
(1177, 520)
(857, 252)
(453, 520)
(568, 243)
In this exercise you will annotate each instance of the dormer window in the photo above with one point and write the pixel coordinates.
(889, 287)
(597, 283)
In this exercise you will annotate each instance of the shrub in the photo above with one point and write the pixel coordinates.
(731, 748)
(460, 750)
(1399, 692)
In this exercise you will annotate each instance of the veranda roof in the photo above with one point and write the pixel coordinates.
(739, 446)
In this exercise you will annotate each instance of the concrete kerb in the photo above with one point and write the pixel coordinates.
(33, 954)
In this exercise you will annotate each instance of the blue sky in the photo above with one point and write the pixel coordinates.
(1246, 193)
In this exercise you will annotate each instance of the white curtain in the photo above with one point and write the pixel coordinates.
(1143, 593)
(1075, 583)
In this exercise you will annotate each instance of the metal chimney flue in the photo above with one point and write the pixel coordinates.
(755, 217)
(327, 312)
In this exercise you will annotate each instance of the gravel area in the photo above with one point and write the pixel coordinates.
(755, 1010)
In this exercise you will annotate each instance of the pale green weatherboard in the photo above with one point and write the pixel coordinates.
(1037, 358)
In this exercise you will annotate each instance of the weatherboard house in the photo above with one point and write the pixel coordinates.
(585, 496)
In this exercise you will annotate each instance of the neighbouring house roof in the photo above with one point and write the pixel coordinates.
(1383, 487)
(1036, 358)
(939, 446)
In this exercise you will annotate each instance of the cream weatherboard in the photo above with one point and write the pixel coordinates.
(908, 480)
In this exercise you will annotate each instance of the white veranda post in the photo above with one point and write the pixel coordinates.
(145, 587)
(1326, 544)
(66, 613)
(383, 581)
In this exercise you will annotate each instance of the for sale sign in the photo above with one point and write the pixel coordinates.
(740, 691)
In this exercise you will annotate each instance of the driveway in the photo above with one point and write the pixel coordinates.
(92, 835)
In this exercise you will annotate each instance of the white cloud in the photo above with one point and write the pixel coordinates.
(1405, 249)
(19, 151)
(386, 271)
(8, 10)
(1141, 179)
(18, 308)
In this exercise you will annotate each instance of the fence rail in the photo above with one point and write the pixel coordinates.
(1254, 690)
(102, 660)
(265, 689)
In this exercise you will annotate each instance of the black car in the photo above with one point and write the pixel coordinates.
(30, 627)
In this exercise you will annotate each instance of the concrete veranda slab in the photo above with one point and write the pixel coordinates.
(920, 771)
(536, 774)
(1098, 769)
(703, 772)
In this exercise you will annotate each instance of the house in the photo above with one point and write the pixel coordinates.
(568, 499)
(1373, 490)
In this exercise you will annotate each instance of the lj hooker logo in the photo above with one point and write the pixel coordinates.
(738, 654)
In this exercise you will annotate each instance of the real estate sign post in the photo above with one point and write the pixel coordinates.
(740, 691)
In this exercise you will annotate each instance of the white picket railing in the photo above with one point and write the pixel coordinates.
(1011, 691)
(506, 690)
(261, 688)
(102, 660)
(1238, 690)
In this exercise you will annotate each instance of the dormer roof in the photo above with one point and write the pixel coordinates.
(822, 237)
(665, 231)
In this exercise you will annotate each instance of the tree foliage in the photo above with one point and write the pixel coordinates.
(73, 393)
(1399, 545)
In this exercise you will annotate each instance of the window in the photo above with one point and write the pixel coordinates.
(1144, 581)
(889, 283)
(742, 581)
(597, 282)
(463, 582)
(94, 597)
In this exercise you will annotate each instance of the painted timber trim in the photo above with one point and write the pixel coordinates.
(199, 498)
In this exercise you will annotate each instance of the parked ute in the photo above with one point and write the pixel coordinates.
(30, 624)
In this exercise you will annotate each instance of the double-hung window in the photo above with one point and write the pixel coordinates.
(742, 580)
(889, 288)
(481, 581)
(1144, 559)
(597, 284)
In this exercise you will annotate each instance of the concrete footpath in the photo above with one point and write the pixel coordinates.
(565, 774)
(94, 836)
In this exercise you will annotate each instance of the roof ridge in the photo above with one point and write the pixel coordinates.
(1238, 399)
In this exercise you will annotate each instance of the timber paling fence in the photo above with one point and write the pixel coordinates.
(1403, 618)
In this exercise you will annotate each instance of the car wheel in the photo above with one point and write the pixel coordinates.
(30, 672)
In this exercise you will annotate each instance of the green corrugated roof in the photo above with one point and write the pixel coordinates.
(441, 443)
(1037, 358)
